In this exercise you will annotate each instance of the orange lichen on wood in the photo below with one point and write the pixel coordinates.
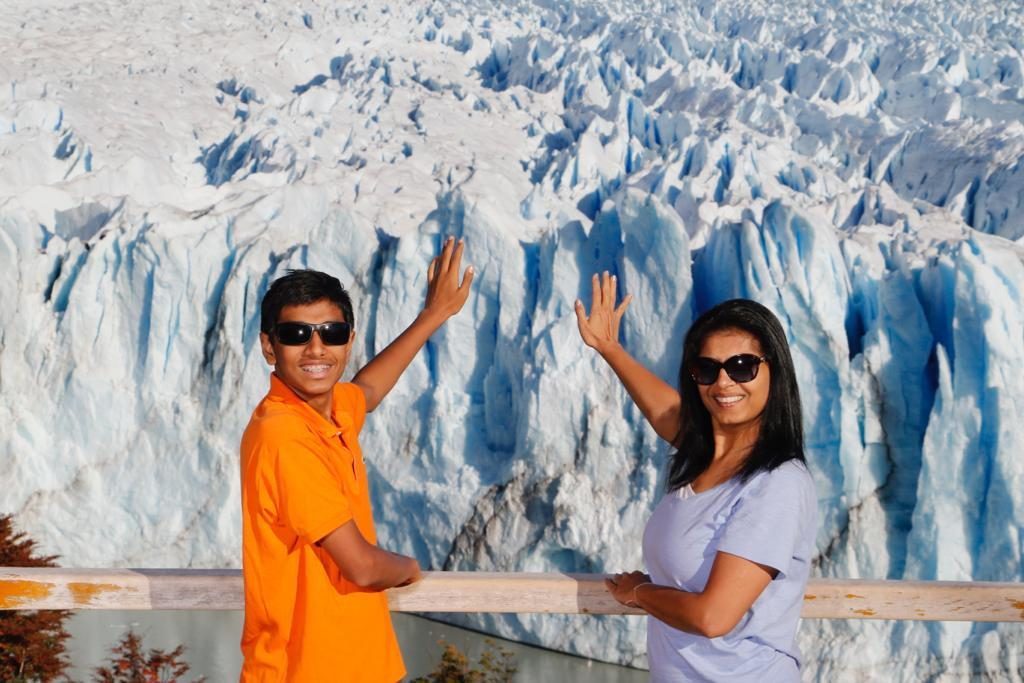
(810, 597)
(851, 596)
(865, 612)
(14, 593)
(85, 593)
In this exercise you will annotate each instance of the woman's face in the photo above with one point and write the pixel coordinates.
(734, 405)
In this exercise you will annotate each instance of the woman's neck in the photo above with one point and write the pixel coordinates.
(732, 442)
(732, 448)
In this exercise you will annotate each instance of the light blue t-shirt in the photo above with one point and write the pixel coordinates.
(771, 519)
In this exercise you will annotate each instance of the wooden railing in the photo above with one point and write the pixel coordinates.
(221, 589)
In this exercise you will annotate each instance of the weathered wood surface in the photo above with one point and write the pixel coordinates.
(221, 589)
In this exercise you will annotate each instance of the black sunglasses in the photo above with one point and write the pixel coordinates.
(740, 368)
(300, 334)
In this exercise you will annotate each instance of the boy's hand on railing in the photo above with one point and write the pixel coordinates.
(414, 574)
(445, 296)
(600, 330)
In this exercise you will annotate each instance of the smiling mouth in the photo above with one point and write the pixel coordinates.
(726, 401)
(315, 370)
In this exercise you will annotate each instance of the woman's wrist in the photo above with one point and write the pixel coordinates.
(635, 602)
(608, 348)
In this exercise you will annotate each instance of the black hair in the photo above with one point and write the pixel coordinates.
(780, 437)
(300, 287)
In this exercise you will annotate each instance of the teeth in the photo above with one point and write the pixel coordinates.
(315, 369)
(728, 400)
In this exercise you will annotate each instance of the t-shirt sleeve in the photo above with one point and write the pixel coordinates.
(767, 523)
(309, 500)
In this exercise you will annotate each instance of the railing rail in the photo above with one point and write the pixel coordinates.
(221, 589)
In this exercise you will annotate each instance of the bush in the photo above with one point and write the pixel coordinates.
(31, 642)
(128, 664)
(496, 665)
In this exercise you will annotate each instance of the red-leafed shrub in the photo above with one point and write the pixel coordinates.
(129, 664)
(31, 642)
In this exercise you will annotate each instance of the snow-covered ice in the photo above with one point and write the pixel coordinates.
(855, 166)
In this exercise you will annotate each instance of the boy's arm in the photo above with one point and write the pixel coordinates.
(366, 565)
(445, 298)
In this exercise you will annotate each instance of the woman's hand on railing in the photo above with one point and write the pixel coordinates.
(623, 586)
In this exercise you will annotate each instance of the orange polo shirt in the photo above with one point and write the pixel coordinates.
(302, 478)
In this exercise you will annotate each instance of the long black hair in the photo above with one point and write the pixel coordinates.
(781, 435)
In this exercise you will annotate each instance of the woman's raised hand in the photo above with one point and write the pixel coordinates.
(600, 330)
(658, 401)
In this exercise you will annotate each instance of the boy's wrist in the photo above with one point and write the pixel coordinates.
(432, 318)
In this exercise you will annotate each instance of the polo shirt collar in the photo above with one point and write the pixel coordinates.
(343, 422)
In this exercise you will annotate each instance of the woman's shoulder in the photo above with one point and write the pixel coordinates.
(790, 478)
(785, 494)
(793, 470)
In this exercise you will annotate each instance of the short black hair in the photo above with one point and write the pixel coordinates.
(781, 437)
(300, 287)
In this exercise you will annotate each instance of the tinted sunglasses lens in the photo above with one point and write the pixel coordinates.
(293, 334)
(298, 334)
(334, 334)
(705, 371)
(742, 368)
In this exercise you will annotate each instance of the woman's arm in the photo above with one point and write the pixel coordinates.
(657, 400)
(733, 586)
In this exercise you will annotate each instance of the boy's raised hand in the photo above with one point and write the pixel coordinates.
(445, 296)
(600, 330)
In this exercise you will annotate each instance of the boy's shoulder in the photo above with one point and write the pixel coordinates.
(275, 423)
(350, 400)
(350, 397)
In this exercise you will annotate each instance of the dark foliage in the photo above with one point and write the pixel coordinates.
(496, 665)
(129, 664)
(31, 642)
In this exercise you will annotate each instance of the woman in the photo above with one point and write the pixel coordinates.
(728, 548)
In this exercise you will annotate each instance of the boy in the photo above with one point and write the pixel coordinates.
(314, 610)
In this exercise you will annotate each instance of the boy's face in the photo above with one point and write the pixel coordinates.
(310, 370)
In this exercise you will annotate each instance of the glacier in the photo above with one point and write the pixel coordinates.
(857, 167)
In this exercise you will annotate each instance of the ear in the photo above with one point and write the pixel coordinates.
(268, 349)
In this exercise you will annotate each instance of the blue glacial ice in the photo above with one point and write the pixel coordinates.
(854, 166)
